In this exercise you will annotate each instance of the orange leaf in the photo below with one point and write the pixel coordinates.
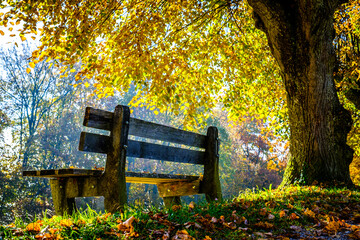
(66, 223)
(293, 216)
(282, 213)
(33, 227)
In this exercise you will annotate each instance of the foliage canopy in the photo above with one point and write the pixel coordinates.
(180, 55)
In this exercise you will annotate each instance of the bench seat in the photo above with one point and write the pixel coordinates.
(131, 177)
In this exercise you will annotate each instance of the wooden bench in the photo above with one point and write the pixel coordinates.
(66, 184)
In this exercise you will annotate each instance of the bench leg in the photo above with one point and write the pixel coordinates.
(62, 204)
(171, 201)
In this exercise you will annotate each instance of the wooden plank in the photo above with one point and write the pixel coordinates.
(97, 118)
(133, 177)
(91, 142)
(84, 187)
(101, 119)
(155, 178)
(174, 189)
(156, 131)
(160, 152)
(61, 173)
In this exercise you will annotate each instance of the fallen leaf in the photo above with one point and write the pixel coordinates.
(34, 227)
(66, 223)
(293, 216)
(282, 213)
(263, 211)
(182, 235)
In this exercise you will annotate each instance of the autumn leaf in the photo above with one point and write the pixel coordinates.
(127, 225)
(175, 207)
(66, 223)
(282, 213)
(28, 70)
(2, 33)
(263, 211)
(32, 65)
(33, 227)
(293, 216)
(265, 225)
(309, 213)
(182, 235)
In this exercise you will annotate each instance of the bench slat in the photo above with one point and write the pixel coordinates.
(161, 152)
(132, 177)
(92, 142)
(97, 118)
(64, 172)
(101, 119)
(156, 131)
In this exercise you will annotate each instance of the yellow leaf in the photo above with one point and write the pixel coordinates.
(86, 84)
(309, 213)
(156, 112)
(33, 227)
(28, 70)
(31, 64)
(2, 33)
(282, 213)
(66, 223)
(33, 37)
(23, 38)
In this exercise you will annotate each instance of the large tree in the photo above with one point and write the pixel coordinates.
(300, 35)
(191, 55)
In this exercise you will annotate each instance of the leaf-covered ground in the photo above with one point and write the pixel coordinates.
(291, 213)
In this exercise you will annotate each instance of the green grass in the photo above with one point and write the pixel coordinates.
(293, 212)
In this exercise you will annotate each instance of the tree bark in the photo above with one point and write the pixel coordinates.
(300, 34)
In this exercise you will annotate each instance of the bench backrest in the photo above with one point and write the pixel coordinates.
(101, 119)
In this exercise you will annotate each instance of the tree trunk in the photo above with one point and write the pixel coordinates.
(300, 34)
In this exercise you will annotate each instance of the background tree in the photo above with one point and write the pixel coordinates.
(30, 95)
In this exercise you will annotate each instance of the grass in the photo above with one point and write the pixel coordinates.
(291, 213)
